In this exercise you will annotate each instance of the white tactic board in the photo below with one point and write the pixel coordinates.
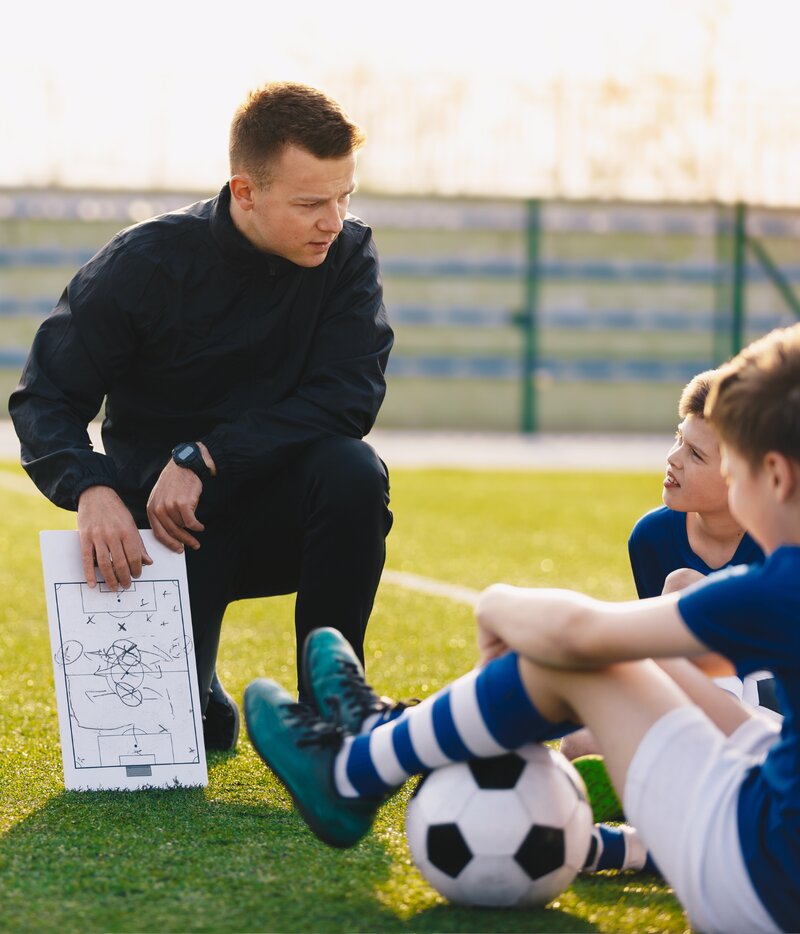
(126, 683)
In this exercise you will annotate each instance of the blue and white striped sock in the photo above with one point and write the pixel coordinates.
(619, 848)
(484, 713)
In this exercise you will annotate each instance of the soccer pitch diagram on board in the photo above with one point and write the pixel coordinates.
(125, 676)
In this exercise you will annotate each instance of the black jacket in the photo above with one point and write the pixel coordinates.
(190, 333)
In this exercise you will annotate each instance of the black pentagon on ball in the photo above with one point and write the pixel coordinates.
(541, 851)
(497, 773)
(447, 849)
(767, 696)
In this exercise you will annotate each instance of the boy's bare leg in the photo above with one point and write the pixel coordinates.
(622, 702)
(579, 743)
(583, 743)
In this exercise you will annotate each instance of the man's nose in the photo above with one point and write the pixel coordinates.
(332, 220)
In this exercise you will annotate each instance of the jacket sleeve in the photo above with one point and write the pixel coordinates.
(73, 357)
(342, 387)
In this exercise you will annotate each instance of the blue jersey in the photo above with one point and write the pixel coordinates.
(751, 615)
(659, 545)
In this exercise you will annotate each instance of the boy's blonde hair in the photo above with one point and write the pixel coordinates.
(754, 402)
(694, 395)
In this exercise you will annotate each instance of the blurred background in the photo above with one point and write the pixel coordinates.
(578, 204)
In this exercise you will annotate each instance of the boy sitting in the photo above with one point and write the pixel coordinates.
(692, 534)
(694, 528)
(713, 788)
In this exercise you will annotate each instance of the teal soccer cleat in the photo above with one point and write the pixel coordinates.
(334, 678)
(300, 748)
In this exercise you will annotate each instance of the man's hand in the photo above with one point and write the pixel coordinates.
(172, 506)
(109, 538)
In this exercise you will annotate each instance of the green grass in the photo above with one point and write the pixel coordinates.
(235, 856)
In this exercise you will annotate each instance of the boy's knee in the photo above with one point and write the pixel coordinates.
(580, 743)
(680, 579)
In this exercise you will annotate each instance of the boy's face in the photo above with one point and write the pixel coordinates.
(747, 498)
(693, 482)
(765, 499)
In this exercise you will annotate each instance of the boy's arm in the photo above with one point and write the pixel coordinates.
(563, 629)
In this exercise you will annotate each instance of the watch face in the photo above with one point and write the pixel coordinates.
(185, 453)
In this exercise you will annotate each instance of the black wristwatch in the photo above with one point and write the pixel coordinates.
(188, 455)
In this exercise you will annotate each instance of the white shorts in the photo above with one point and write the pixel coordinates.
(681, 794)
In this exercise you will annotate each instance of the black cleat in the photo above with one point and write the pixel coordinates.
(221, 719)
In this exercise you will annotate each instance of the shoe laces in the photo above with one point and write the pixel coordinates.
(314, 730)
(358, 693)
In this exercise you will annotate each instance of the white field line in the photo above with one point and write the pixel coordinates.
(430, 586)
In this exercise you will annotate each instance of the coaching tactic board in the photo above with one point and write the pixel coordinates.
(125, 677)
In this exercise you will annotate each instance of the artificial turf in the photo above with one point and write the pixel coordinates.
(235, 856)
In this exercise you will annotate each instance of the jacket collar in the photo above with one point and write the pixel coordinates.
(233, 243)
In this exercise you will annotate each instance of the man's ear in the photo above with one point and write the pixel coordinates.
(782, 473)
(242, 191)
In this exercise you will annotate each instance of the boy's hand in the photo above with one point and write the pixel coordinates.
(490, 645)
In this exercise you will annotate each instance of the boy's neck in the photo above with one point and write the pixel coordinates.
(713, 536)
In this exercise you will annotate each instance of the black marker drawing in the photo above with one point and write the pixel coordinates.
(125, 674)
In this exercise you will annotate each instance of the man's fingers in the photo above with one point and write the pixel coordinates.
(162, 535)
(108, 534)
(169, 533)
(171, 522)
(106, 566)
(135, 553)
(119, 563)
(188, 519)
(87, 556)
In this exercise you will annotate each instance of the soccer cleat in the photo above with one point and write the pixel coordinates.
(221, 719)
(300, 748)
(602, 795)
(334, 679)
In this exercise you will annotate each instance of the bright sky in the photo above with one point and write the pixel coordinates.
(127, 95)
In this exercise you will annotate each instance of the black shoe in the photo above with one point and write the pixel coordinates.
(221, 719)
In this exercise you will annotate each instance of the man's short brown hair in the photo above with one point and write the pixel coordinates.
(754, 404)
(286, 114)
(694, 395)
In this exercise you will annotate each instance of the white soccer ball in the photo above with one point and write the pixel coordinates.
(507, 831)
(756, 690)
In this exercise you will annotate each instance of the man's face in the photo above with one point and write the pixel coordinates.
(300, 212)
(693, 481)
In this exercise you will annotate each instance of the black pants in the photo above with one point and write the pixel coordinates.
(317, 528)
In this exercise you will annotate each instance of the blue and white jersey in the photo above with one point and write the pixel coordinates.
(751, 615)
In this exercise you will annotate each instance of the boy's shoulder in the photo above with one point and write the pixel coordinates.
(655, 524)
(769, 588)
